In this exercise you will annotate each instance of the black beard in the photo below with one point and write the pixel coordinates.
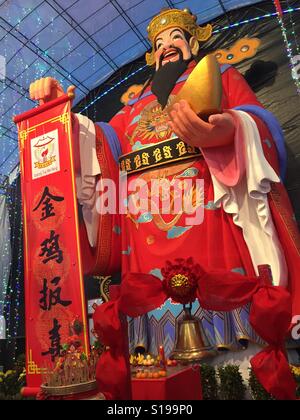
(166, 77)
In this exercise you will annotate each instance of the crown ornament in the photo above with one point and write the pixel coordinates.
(175, 18)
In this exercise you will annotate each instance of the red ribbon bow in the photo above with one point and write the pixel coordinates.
(270, 317)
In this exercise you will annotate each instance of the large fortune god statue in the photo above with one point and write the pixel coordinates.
(198, 125)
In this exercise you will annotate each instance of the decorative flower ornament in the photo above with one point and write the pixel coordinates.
(131, 93)
(241, 50)
(181, 279)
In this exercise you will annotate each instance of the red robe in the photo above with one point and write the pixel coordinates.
(143, 242)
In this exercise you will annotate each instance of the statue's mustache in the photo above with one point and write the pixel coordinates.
(178, 50)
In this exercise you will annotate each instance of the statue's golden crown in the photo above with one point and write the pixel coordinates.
(175, 18)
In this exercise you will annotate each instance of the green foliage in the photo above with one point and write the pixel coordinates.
(297, 378)
(12, 381)
(232, 386)
(257, 390)
(296, 374)
(209, 382)
(298, 390)
(16, 397)
(20, 364)
(223, 383)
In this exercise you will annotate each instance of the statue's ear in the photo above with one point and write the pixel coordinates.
(194, 44)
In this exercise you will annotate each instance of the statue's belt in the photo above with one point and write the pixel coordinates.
(165, 152)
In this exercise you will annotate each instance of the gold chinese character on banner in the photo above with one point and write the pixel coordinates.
(123, 166)
(128, 165)
(181, 148)
(167, 152)
(145, 158)
(157, 155)
(137, 162)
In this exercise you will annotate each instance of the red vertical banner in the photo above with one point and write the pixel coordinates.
(54, 289)
(278, 7)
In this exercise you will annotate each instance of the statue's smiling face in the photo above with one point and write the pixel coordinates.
(167, 44)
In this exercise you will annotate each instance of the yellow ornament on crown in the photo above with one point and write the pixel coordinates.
(175, 18)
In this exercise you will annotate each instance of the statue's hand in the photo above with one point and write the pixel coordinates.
(219, 131)
(47, 89)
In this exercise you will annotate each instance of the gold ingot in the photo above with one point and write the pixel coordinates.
(203, 89)
(190, 343)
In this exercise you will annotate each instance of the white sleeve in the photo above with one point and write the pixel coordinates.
(86, 180)
(248, 204)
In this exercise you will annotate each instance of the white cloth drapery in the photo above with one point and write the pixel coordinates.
(248, 204)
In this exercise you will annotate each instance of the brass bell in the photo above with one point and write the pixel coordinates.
(190, 344)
